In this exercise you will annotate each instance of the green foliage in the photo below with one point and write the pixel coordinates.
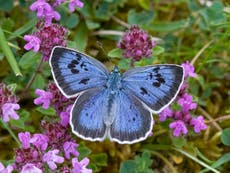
(225, 137)
(50, 111)
(141, 164)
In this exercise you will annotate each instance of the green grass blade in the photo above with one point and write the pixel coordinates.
(20, 31)
(196, 160)
(9, 54)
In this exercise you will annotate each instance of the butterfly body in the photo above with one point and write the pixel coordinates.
(110, 104)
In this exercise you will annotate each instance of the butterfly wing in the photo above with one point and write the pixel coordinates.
(156, 86)
(132, 121)
(74, 72)
(88, 113)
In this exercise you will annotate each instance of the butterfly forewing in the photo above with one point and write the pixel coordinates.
(156, 85)
(75, 72)
(132, 123)
(88, 113)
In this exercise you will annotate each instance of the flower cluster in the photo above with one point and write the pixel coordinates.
(136, 44)
(46, 10)
(8, 103)
(45, 39)
(48, 149)
(48, 34)
(54, 96)
(182, 119)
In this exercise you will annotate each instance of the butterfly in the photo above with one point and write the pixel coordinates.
(110, 104)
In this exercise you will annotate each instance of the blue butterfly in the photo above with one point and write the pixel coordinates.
(111, 104)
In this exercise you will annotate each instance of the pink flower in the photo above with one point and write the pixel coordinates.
(44, 98)
(30, 168)
(24, 138)
(189, 70)
(198, 124)
(75, 3)
(8, 111)
(51, 158)
(40, 141)
(33, 42)
(80, 167)
(41, 6)
(60, 102)
(186, 102)
(50, 15)
(8, 169)
(70, 148)
(45, 11)
(167, 112)
(58, 2)
(179, 128)
(136, 44)
(50, 35)
(65, 115)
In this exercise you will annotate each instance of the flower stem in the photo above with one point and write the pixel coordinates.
(119, 21)
(10, 131)
(108, 32)
(38, 70)
(225, 117)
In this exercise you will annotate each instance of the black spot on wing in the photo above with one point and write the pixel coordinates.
(84, 81)
(160, 80)
(156, 84)
(75, 71)
(143, 91)
(75, 61)
(70, 66)
(78, 56)
(156, 69)
(84, 67)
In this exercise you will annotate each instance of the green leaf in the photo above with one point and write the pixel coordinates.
(100, 159)
(18, 123)
(141, 18)
(145, 61)
(139, 165)
(144, 4)
(83, 150)
(27, 60)
(157, 50)
(49, 111)
(7, 24)
(129, 166)
(6, 5)
(23, 116)
(167, 26)
(225, 137)
(92, 24)
(39, 82)
(9, 54)
(124, 63)
(81, 37)
(178, 142)
(115, 53)
(72, 21)
(213, 15)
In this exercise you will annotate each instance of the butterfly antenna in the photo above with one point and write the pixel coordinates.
(103, 50)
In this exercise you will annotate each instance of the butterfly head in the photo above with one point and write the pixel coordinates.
(115, 70)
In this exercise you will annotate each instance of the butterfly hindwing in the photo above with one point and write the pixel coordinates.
(155, 85)
(132, 121)
(75, 72)
(88, 113)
